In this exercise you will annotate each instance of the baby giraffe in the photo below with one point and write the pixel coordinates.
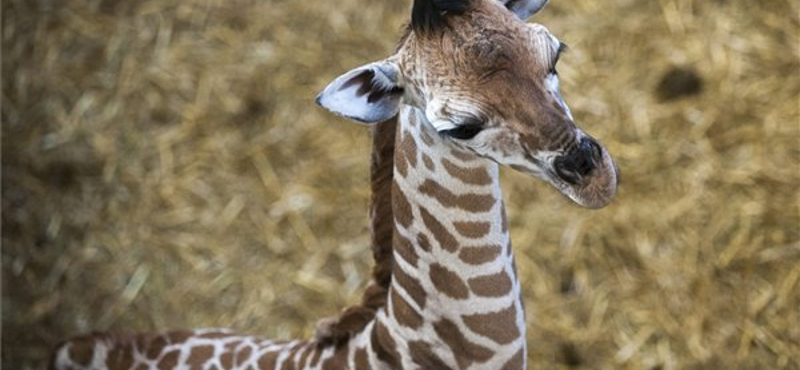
(473, 87)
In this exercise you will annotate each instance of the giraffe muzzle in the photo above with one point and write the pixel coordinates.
(579, 161)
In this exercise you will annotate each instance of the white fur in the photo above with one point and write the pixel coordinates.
(341, 97)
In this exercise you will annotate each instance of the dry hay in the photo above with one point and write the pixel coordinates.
(164, 166)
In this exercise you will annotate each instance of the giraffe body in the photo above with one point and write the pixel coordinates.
(473, 87)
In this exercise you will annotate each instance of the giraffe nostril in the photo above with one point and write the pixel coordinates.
(592, 149)
(579, 163)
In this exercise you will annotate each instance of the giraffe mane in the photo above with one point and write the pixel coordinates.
(429, 15)
(354, 319)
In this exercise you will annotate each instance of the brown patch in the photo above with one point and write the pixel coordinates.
(409, 149)
(180, 336)
(81, 350)
(473, 230)
(401, 207)
(199, 355)
(291, 359)
(226, 360)
(401, 165)
(464, 351)
(426, 137)
(338, 361)
(468, 175)
(316, 356)
(362, 359)
(500, 326)
(463, 156)
(154, 345)
(446, 240)
(411, 286)
(469, 202)
(448, 282)
(243, 355)
(424, 242)
(120, 357)
(405, 249)
(517, 362)
(169, 361)
(231, 346)
(403, 312)
(268, 360)
(479, 255)
(426, 159)
(384, 346)
(423, 355)
(496, 285)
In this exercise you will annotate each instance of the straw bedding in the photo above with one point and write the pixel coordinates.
(164, 166)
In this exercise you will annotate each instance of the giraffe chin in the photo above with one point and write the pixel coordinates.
(596, 189)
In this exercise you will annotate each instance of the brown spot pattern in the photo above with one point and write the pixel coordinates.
(423, 242)
(401, 165)
(469, 202)
(179, 336)
(423, 355)
(409, 148)
(428, 162)
(120, 357)
(446, 240)
(361, 359)
(307, 350)
(154, 346)
(471, 229)
(448, 282)
(243, 354)
(426, 137)
(268, 360)
(405, 249)
(500, 326)
(479, 255)
(468, 175)
(338, 361)
(410, 285)
(384, 346)
(169, 361)
(464, 351)
(401, 207)
(315, 357)
(226, 360)
(199, 355)
(404, 313)
(496, 285)
(463, 156)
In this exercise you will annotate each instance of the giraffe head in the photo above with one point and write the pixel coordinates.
(487, 83)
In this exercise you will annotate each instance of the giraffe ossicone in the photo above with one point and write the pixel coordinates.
(472, 87)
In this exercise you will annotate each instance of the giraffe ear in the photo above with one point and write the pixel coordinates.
(367, 94)
(524, 9)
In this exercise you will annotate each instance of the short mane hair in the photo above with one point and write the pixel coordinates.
(428, 15)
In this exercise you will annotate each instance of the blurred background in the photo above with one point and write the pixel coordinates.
(164, 166)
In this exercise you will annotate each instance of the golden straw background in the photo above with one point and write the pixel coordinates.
(164, 166)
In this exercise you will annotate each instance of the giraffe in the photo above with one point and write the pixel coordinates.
(470, 87)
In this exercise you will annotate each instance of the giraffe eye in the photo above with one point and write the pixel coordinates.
(464, 132)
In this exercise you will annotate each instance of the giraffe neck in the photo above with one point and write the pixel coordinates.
(455, 299)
